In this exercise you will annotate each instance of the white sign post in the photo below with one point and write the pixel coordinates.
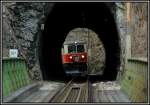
(13, 53)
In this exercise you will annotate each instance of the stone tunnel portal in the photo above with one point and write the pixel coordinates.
(67, 16)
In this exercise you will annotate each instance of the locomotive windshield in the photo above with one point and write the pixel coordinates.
(71, 49)
(75, 48)
(80, 48)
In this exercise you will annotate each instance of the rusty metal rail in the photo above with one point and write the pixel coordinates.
(72, 93)
(84, 93)
(59, 97)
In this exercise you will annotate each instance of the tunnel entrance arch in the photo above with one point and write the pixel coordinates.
(67, 16)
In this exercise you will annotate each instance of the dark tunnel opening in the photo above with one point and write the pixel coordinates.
(67, 16)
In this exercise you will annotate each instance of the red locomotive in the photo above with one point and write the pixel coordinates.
(74, 58)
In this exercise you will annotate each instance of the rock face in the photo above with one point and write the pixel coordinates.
(96, 51)
(131, 19)
(138, 30)
(136, 70)
(120, 17)
(22, 30)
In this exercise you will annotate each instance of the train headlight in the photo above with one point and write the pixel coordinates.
(82, 56)
(70, 57)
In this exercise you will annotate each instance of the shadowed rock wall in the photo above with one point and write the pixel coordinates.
(22, 30)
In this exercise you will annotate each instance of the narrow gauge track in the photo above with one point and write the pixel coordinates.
(74, 92)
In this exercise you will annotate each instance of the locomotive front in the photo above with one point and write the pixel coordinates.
(74, 56)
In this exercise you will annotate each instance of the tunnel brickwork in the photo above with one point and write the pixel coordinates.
(95, 16)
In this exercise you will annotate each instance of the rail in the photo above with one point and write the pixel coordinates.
(59, 96)
(72, 92)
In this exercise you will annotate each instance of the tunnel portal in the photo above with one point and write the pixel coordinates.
(67, 16)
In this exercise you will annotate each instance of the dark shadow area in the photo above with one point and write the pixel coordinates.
(67, 16)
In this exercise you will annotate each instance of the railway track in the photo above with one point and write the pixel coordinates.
(73, 92)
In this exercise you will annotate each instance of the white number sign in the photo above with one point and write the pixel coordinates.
(13, 53)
